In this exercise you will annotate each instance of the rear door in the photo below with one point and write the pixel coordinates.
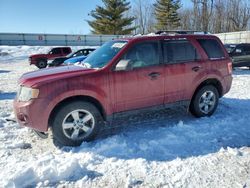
(142, 85)
(183, 66)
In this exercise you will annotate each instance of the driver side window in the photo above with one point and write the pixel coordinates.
(143, 54)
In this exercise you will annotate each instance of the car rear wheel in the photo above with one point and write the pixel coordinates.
(205, 101)
(76, 122)
(41, 64)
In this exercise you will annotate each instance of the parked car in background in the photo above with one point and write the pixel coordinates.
(41, 60)
(58, 61)
(229, 47)
(73, 60)
(241, 55)
(125, 75)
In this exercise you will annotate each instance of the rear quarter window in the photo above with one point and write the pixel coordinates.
(212, 48)
(66, 50)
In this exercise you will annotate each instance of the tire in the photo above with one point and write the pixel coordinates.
(41, 64)
(76, 122)
(205, 101)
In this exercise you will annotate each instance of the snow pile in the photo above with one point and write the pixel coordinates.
(48, 169)
(14, 53)
(168, 148)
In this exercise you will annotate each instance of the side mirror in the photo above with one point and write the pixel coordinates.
(238, 51)
(123, 65)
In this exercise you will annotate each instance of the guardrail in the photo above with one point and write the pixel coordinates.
(32, 39)
(15, 39)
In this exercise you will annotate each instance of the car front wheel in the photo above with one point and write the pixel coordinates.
(41, 64)
(76, 122)
(205, 101)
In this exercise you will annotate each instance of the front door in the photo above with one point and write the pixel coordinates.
(143, 84)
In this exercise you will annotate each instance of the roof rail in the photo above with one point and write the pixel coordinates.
(180, 32)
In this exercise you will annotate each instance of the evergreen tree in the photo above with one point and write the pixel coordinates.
(110, 19)
(166, 14)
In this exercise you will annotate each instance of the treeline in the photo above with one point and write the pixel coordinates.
(146, 16)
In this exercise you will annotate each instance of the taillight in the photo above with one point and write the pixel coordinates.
(230, 67)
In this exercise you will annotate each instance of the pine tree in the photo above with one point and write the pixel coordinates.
(166, 14)
(110, 18)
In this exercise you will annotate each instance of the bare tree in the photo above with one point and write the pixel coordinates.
(239, 14)
(217, 15)
(144, 17)
(187, 21)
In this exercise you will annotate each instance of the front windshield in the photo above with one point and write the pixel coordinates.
(102, 56)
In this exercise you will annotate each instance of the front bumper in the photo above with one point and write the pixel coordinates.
(32, 61)
(32, 114)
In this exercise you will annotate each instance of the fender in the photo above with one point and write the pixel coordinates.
(210, 77)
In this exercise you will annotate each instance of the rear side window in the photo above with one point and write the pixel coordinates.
(178, 51)
(245, 49)
(66, 50)
(79, 53)
(55, 51)
(85, 52)
(212, 48)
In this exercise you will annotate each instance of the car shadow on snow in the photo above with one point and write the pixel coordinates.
(241, 71)
(7, 96)
(170, 134)
(4, 71)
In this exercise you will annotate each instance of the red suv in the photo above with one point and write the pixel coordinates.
(41, 60)
(125, 75)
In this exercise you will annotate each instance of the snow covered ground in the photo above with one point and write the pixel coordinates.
(169, 148)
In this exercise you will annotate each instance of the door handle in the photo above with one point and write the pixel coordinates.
(154, 75)
(196, 68)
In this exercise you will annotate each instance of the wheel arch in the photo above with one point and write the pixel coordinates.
(211, 81)
(92, 100)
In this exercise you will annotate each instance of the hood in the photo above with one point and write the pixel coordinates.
(75, 59)
(44, 76)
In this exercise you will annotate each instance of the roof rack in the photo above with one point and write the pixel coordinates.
(180, 32)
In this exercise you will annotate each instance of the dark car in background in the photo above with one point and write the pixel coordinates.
(60, 60)
(41, 60)
(73, 60)
(230, 47)
(241, 55)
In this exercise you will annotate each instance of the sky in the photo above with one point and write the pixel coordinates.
(48, 16)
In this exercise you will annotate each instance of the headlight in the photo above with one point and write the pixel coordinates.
(26, 93)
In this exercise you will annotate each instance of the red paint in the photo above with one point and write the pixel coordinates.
(120, 91)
